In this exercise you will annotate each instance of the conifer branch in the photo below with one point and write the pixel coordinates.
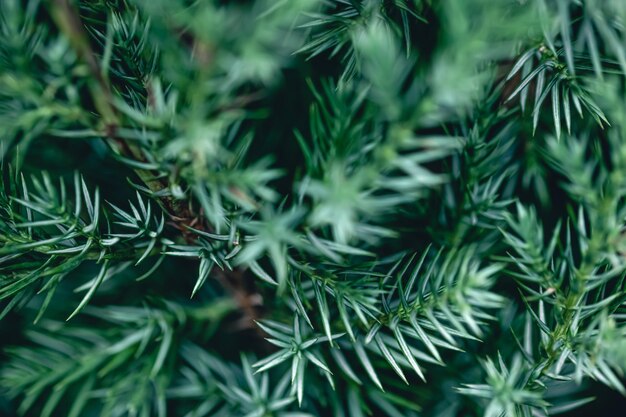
(183, 218)
(385, 192)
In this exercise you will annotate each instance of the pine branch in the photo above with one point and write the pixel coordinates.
(183, 218)
(389, 192)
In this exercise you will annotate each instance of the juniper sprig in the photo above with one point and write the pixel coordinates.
(310, 208)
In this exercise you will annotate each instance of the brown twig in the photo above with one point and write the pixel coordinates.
(181, 215)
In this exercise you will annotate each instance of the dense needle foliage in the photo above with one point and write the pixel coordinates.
(288, 208)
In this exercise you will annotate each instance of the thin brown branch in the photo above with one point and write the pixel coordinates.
(181, 215)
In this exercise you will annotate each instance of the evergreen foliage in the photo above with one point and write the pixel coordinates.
(288, 208)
